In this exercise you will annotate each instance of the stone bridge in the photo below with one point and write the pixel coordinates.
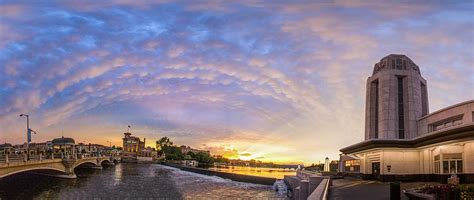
(63, 168)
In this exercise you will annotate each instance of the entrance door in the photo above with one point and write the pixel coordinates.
(376, 170)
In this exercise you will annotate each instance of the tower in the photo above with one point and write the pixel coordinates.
(396, 97)
(326, 165)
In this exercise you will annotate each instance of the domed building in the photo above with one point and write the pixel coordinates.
(62, 141)
(403, 141)
(63, 146)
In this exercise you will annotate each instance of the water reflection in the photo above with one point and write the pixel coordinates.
(132, 181)
(117, 174)
(120, 181)
(257, 171)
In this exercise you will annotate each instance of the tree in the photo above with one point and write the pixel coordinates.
(204, 159)
(162, 143)
(252, 163)
(172, 153)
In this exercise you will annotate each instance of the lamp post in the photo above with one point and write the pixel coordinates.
(110, 143)
(28, 135)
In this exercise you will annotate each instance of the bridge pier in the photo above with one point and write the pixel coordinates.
(69, 172)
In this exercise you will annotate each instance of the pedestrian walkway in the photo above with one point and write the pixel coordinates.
(350, 188)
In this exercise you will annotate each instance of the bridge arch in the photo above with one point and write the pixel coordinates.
(86, 163)
(43, 169)
(104, 161)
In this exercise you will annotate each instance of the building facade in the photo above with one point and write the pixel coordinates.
(132, 143)
(403, 141)
(186, 149)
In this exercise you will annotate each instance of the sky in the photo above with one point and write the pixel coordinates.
(267, 80)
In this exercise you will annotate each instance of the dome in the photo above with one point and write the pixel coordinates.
(63, 141)
(395, 62)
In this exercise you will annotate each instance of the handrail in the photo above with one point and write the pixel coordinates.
(326, 189)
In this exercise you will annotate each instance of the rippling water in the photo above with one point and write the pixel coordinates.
(257, 171)
(131, 181)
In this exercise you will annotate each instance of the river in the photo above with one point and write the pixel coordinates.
(131, 181)
(256, 171)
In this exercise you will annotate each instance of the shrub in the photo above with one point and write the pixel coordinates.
(447, 192)
(465, 192)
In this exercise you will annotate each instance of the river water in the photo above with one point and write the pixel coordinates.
(257, 171)
(131, 181)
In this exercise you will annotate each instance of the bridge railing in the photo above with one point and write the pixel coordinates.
(12, 158)
(38, 157)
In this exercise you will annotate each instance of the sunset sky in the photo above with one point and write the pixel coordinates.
(282, 82)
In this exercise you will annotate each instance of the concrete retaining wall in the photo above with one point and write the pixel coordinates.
(308, 185)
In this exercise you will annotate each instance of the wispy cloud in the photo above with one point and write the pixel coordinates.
(274, 80)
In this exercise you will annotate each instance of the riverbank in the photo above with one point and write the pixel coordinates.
(226, 175)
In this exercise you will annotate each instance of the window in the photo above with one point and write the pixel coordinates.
(452, 163)
(401, 113)
(459, 166)
(352, 166)
(446, 123)
(436, 164)
(445, 167)
(374, 109)
(424, 100)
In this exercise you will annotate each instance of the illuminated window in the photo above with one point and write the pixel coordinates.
(451, 163)
(352, 165)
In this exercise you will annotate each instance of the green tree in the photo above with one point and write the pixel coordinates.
(173, 153)
(163, 143)
(204, 159)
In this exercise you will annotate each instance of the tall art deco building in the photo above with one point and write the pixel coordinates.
(403, 141)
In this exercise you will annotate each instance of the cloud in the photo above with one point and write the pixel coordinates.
(245, 154)
(289, 85)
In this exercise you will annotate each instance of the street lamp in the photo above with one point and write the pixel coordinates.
(28, 135)
(110, 143)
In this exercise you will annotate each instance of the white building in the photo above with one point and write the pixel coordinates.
(402, 140)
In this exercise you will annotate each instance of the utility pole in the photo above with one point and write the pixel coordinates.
(28, 135)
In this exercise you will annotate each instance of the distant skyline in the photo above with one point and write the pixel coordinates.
(268, 80)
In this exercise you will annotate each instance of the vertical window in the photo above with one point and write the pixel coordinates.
(445, 167)
(401, 113)
(424, 100)
(377, 110)
(436, 164)
(459, 166)
(374, 110)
